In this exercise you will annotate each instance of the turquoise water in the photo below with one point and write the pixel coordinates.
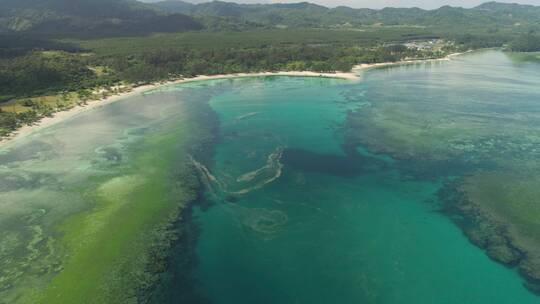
(296, 217)
(317, 190)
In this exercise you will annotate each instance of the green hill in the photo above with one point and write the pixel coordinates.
(310, 15)
(61, 17)
(81, 17)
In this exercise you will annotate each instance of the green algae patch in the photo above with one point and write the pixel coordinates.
(114, 249)
(92, 206)
(111, 249)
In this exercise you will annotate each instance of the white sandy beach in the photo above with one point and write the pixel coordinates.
(367, 66)
(62, 115)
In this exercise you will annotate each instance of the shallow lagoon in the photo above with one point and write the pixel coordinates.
(335, 226)
(87, 205)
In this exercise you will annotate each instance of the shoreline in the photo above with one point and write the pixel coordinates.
(369, 66)
(97, 103)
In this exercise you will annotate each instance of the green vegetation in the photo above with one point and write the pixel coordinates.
(39, 73)
(89, 18)
(526, 43)
(258, 38)
(320, 55)
(490, 15)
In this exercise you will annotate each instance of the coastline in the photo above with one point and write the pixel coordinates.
(369, 66)
(92, 104)
(97, 103)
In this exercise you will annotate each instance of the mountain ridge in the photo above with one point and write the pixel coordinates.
(80, 16)
(121, 17)
(308, 14)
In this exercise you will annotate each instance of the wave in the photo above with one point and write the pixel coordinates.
(248, 115)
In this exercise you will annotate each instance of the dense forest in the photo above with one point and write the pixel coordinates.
(67, 50)
(526, 43)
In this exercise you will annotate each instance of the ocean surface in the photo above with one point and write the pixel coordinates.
(292, 215)
(294, 209)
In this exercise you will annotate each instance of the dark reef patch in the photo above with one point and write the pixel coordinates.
(173, 266)
(345, 166)
(489, 234)
(177, 283)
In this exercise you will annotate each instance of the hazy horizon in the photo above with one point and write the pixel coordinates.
(426, 4)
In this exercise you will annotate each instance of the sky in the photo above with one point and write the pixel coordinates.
(426, 4)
